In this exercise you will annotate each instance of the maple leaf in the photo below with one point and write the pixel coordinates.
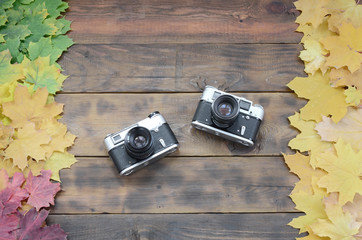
(338, 225)
(30, 227)
(41, 190)
(344, 171)
(7, 91)
(9, 72)
(299, 165)
(313, 11)
(60, 138)
(343, 77)
(311, 205)
(353, 96)
(308, 139)
(341, 11)
(5, 4)
(26, 107)
(355, 209)
(12, 195)
(313, 56)
(6, 134)
(345, 49)
(59, 161)
(324, 100)
(349, 129)
(28, 143)
(42, 74)
(8, 224)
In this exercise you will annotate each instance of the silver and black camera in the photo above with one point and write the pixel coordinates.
(141, 144)
(234, 118)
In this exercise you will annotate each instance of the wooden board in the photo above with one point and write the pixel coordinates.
(177, 226)
(180, 67)
(178, 185)
(173, 21)
(92, 116)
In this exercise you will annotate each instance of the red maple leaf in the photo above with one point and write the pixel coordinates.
(12, 195)
(41, 190)
(8, 224)
(30, 227)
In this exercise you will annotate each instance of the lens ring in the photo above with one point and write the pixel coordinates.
(139, 143)
(224, 111)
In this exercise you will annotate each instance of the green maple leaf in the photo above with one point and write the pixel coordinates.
(26, 1)
(42, 48)
(41, 73)
(61, 43)
(13, 46)
(3, 17)
(2, 39)
(9, 72)
(12, 31)
(14, 16)
(5, 4)
(63, 26)
(53, 7)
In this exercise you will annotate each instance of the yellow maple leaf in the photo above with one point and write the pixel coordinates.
(341, 11)
(355, 209)
(313, 11)
(353, 96)
(4, 179)
(299, 165)
(7, 91)
(345, 49)
(6, 134)
(313, 56)
(9, 72)
(29, 142)
(8, 166)
(58, 161)
(26, 107)
(343, 77)
(349, 129)
(338, 226)
(312, 236)
(60, 138)
(308, 139)
(311, 205)
(311, 33)
(324, 100)
(344, 171)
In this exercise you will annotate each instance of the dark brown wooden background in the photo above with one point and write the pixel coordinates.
(137, 56)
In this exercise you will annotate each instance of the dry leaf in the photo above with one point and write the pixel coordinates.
(313, 56)
(29, 142)
(344, 171)
(26, 107)
(308, 139)
(324, 100)
(299, 165)
(343, 77)
(345, 49)
(353, 96)
(313, 11)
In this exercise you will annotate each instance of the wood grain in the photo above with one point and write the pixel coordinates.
(178, 185)
(180, 67)
(177, 226)
(173, 21)
(92, 116)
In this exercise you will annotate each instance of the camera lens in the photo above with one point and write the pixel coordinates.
(224, 111)
(138, 143)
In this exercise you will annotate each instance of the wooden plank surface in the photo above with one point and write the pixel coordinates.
(180, 67)
(177, 226)
(178, 185)
(92, 116)
(135, 57)
(173, 21)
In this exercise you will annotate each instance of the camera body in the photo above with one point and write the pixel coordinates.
(234, 118)
(141, 144)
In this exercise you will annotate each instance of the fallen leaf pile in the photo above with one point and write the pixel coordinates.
(33, 142)
(329, 191)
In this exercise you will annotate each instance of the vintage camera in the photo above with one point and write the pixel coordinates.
(234, 118)
(141, 144)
